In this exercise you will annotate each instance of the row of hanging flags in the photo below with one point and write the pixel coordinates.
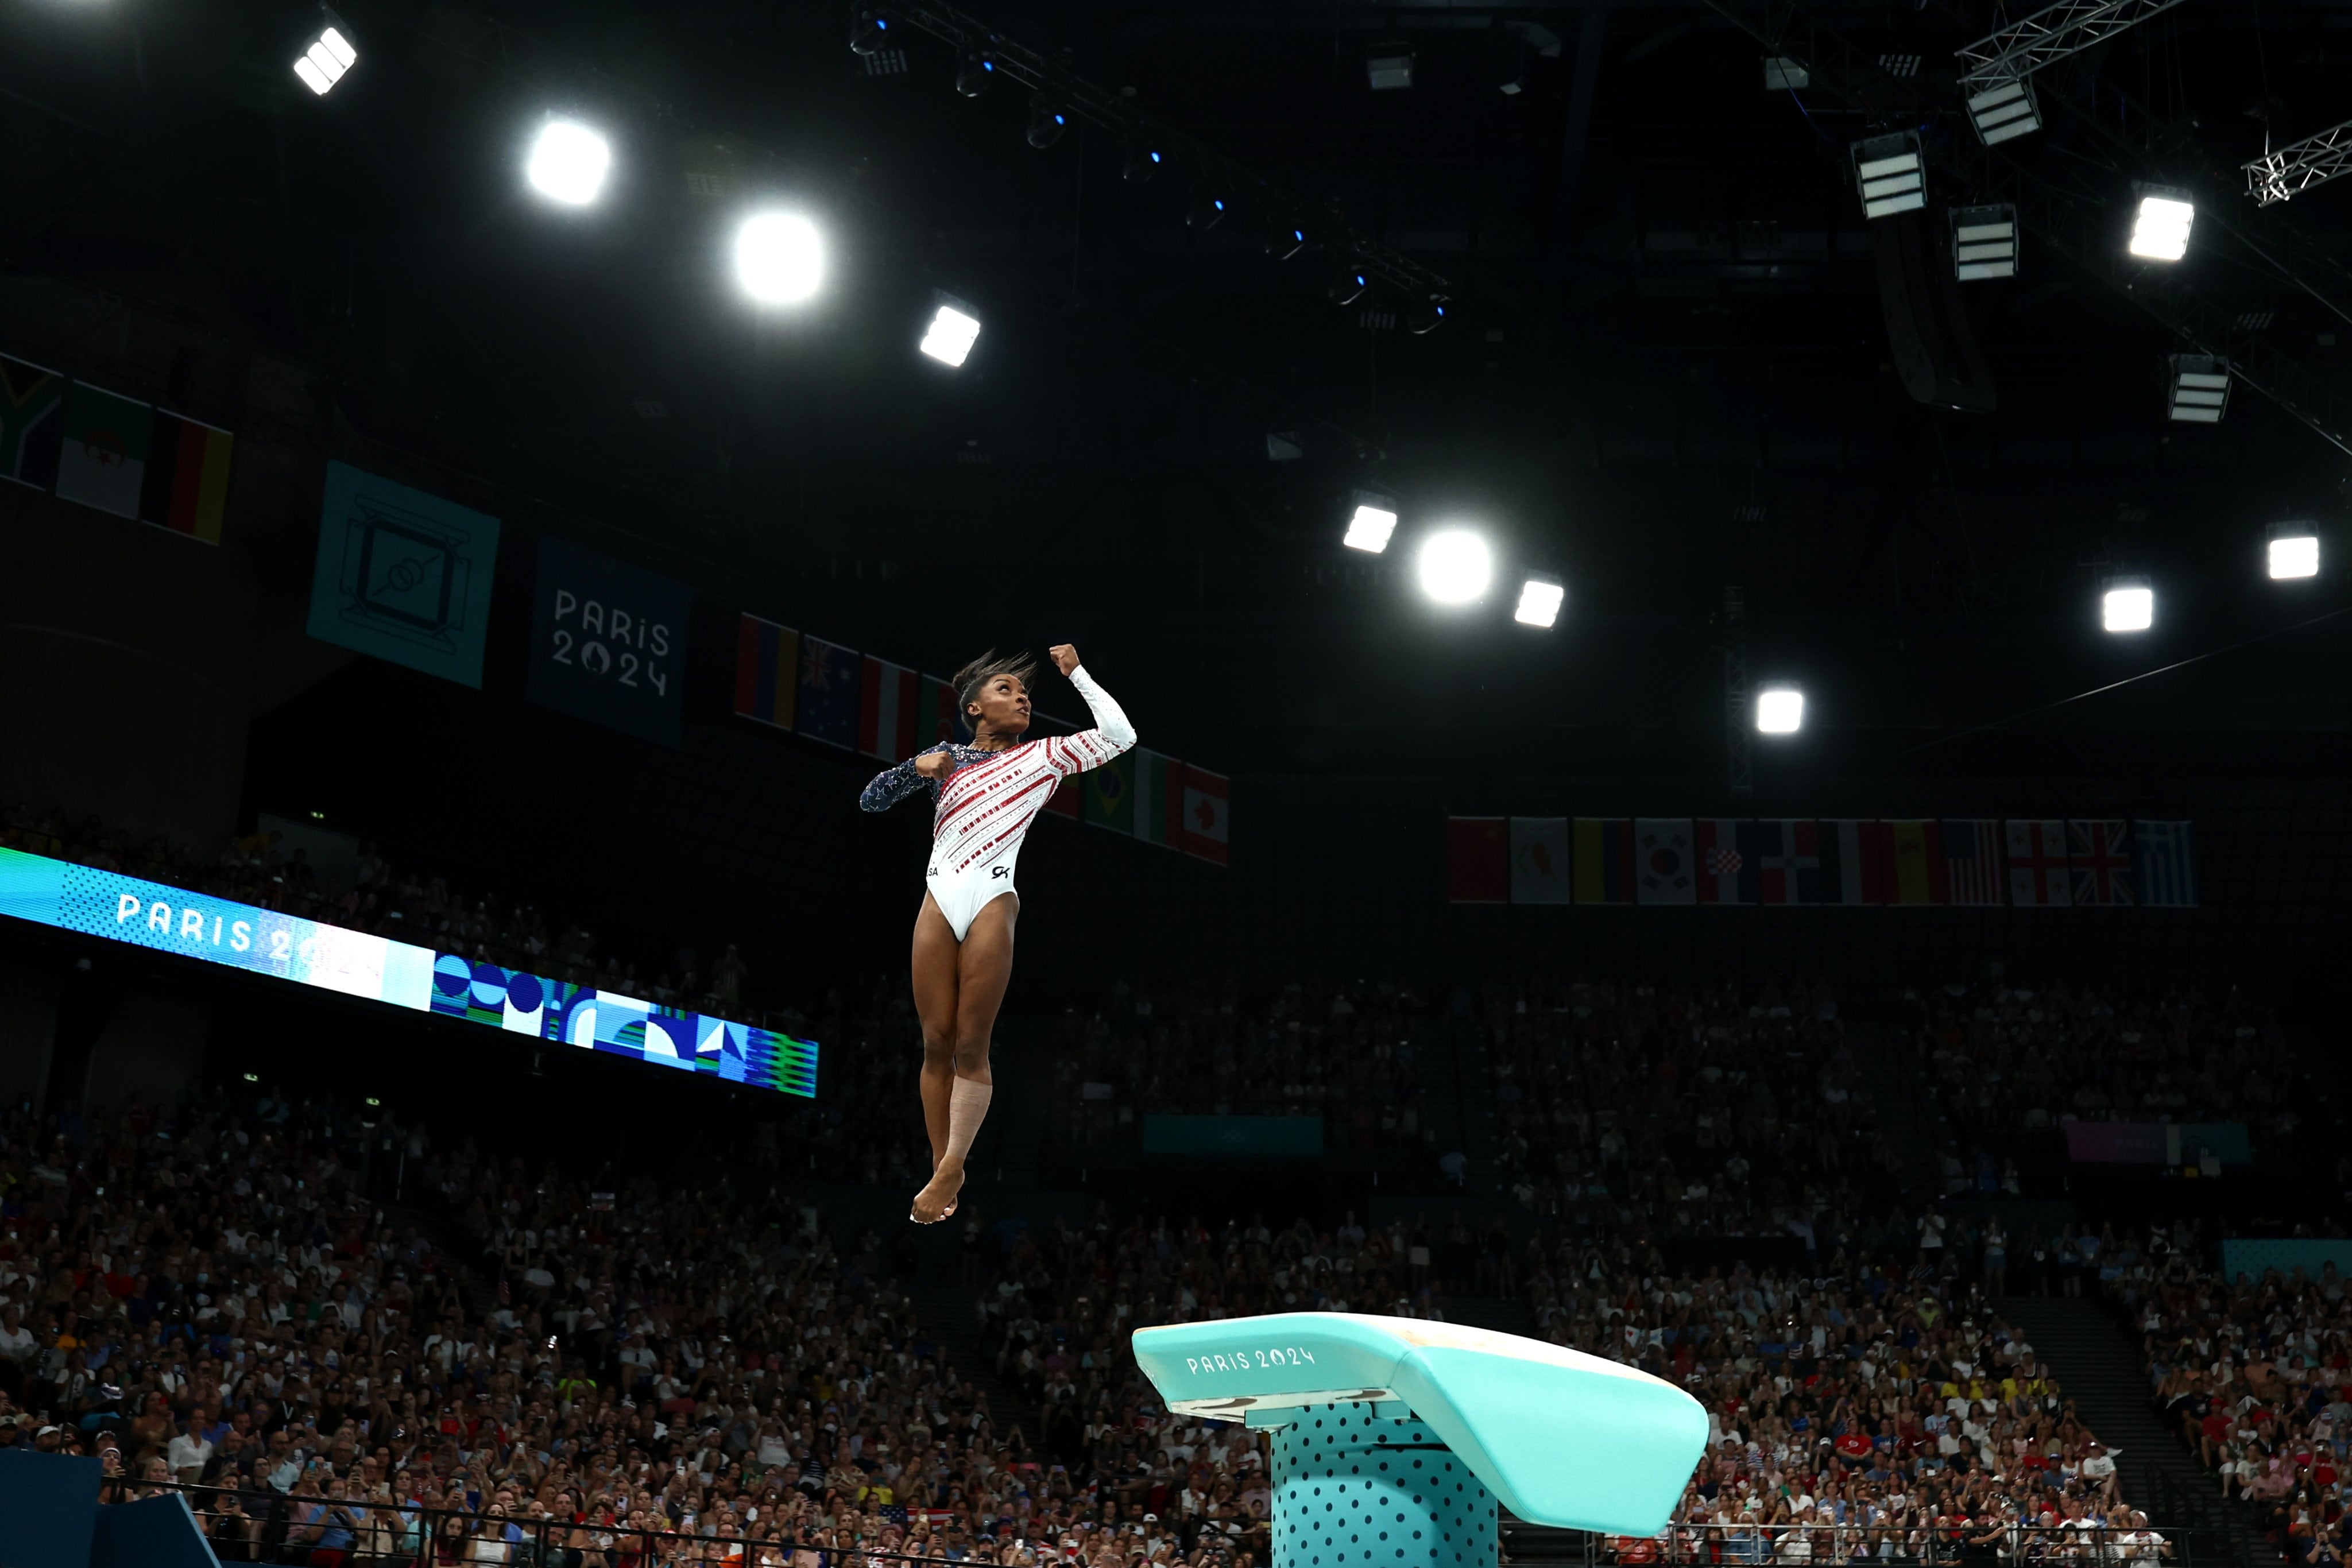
(1969, 862)
(82, 443)
(890, 713)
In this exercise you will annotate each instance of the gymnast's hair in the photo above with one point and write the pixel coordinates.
(1021, 667)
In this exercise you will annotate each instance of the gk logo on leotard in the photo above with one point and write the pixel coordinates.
(1000, 871)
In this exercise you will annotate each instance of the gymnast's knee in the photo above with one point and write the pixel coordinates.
(970, 1053)
(938, 1049)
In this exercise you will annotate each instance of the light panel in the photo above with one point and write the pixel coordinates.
(1539, 603)
(2004, 110)
(951, 334)
(568, 163)
(2200, 389)
(1370, 528)
(779, 258)
(1984, 242)
(2160, 230)
(2292, 556)
(1780, 710)
(2127, 606)
(1892, 175)
(1455, 566)
(326, 61)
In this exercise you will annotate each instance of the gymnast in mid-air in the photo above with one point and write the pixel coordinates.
(988, 793)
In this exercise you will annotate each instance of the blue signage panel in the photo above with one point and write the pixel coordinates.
(608, 642)
(309, 953)
(402, 575)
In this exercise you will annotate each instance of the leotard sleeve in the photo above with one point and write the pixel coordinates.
(893, 785)
(1092, 748)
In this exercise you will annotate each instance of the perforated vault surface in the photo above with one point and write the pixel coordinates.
(1354, 1489)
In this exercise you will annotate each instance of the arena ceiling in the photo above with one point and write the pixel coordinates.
(1665, 370)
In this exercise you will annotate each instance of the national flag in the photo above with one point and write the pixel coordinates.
(2037, 875)
(103, 460)
(2101, 851)
(1068, 800)
(830, 680)
(186, 488)
(767, 670)
(1208, 811)
(1785, 854)
(1915, 862)
(32, 423)
(1604, 860)
(1664, 860)
(1110, 794)
(2166, 861)
(1478, 859)
(1850, 866)
(1540, 859)
(1719, 863)
(886, 697)
(936, 718)
(1158, 798)
(1975, 872)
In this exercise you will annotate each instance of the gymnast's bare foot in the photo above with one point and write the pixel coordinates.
(938, 1200)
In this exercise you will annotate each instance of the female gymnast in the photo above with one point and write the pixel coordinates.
(988, 793)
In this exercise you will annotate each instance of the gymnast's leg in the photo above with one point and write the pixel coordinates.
(983, 970)
(934, 1005)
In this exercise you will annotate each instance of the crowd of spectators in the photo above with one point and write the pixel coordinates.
(1351, 1055)
(386, 900)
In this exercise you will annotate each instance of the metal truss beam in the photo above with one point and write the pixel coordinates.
(2076, 224)
(2048, 35)
(2286, 174)
(1108, 109)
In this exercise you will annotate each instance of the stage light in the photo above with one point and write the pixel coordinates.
(952, 331)
(1285, 237)
(975, 73)
(327, 60)
(1984, 242)
(1539, 603)
(2004, 109)
(1892, 174)
(1782, 74)
(779, 257)
(2128, 605)
(1388, 65)
(2201, 388)
(1048, 118)
(1455, 566)
(1205, 210)
(1424, 319)
(1780, 710)
(1138, 162)
(2160, 231)
(568, 163)
(869, 34)
(1374, 521)
(1347, 284)
(2293, 552)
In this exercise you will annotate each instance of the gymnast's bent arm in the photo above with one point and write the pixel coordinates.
(893, 785)
(1112, 733)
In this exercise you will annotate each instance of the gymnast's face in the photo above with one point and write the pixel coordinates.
(1001, 708)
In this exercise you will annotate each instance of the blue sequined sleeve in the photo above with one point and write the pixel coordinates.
(893, 785)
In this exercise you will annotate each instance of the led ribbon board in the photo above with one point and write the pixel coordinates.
(263, 942)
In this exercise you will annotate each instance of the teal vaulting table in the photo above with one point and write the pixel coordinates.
(1394, 1438)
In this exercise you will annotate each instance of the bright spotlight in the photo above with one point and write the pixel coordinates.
(2129, 605)
(2295, 555)
(2160, 232)
(1539, 603)
(323, 65)
(1455, 566)
(1374, 521)
(779, 257)
(952, 333)
(1780, 710)
(568, 163)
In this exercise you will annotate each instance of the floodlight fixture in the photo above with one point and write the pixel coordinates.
(1285, 236)
(329, 57)
(869, 33)
(975, 73)
(568, 163)
(1892, 174)
(2160, 228)
(1348, 283)
(1206, 209)
(1780, 710)
(779, 257)
(1540, 601)
(1984, 242)
(1424, 319)
(1138, 160)
(1388, 65)
(2201, 388)
(2294, 552)
(1048, 118)
(1374, 521)
(953, 331)
(2127, 605)
(1782, 74)
(2004, 108)
(1455, 565)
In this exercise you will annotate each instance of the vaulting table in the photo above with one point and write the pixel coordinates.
(1393, 1438)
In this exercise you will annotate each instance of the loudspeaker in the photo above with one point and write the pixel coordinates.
(1927, 323)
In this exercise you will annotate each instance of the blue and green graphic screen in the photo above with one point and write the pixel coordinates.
(219, 931)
